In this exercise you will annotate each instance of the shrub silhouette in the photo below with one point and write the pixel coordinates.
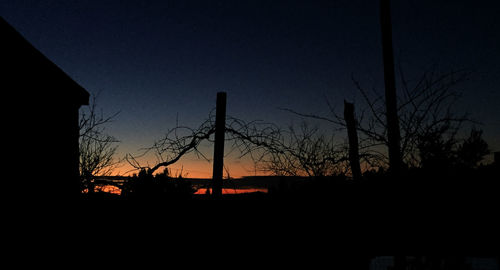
(472, 150)
(160, 186)
(440, 153)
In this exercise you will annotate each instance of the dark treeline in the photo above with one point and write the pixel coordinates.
(454, 182)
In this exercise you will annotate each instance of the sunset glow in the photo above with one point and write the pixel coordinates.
(106, 188)
(117, 191)
(192, 168)
(234, 190)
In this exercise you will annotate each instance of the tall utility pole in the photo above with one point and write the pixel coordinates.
(220, 128)
(390, 88)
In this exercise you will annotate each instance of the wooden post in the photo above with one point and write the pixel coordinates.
(352, 135)
(390, 88)
(220, 126)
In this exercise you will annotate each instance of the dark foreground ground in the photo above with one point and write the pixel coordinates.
(317, 220)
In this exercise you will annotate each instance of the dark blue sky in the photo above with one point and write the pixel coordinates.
(156, 60)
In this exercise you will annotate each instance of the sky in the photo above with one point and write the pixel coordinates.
(159, 62)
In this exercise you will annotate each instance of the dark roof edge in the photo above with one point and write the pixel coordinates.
(82, 95)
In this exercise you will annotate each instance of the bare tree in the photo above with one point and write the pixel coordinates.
(97, 148)
(426, 106)
(291, 152)
(177, 142)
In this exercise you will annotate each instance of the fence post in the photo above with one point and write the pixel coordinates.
(353, 140)
(220, 126)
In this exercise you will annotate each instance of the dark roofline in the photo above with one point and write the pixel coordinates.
(80, 93)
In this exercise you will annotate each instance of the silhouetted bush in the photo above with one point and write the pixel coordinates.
(160, 186)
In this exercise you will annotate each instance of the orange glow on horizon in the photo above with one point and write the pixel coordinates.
(117, 191)
(106, 188)
(234, 190)
(197, 169)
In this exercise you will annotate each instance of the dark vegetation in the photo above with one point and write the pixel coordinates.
(407, 149)
(410, 142)
(160, 186)
(442, 152)
(410, 172)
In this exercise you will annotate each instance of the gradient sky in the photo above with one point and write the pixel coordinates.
(155, 61)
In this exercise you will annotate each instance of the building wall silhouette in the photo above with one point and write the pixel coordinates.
(40, 112)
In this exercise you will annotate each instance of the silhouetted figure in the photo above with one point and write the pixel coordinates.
(40, 121)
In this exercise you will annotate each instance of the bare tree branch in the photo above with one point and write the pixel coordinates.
(97, 149)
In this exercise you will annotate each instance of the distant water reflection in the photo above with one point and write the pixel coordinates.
(234, 190)
(116, 190)
(106, 188)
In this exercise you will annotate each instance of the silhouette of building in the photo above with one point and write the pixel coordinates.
(40, 112)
